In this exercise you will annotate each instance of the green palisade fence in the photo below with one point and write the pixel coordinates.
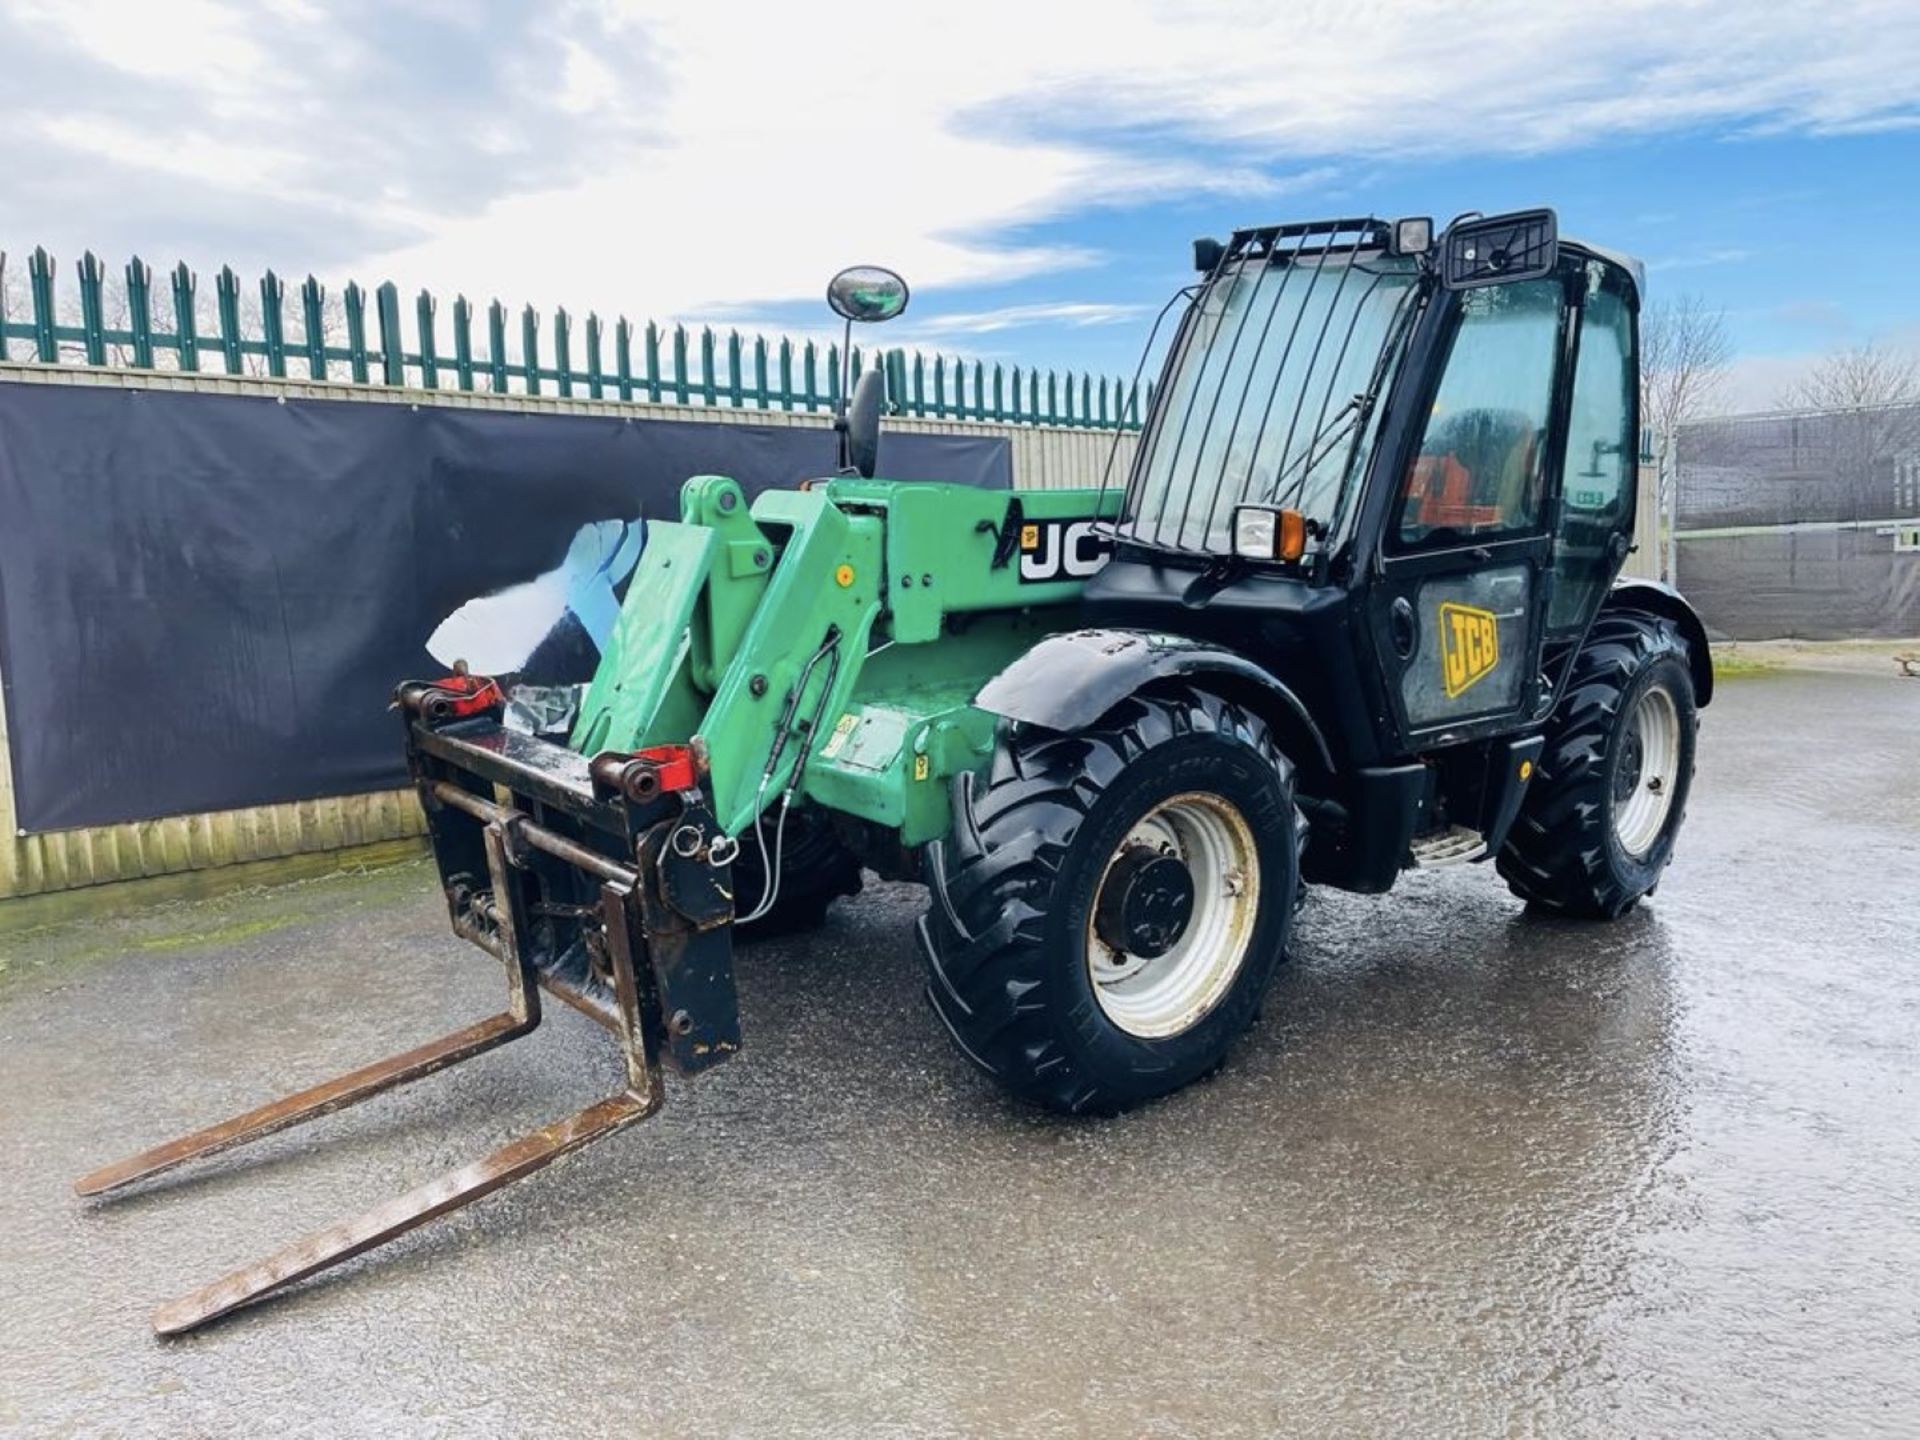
(129, 327)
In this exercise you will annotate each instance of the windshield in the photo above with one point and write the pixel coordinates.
(1269, 396)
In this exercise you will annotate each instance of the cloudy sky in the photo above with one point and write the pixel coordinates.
(1035, 169)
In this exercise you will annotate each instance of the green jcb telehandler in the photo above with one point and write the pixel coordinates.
(1355, 611)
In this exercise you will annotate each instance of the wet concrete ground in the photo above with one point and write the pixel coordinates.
(1475, 1173)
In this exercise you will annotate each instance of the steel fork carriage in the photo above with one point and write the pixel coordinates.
(605, 883)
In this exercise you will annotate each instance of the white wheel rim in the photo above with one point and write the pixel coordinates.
(1650, 768)
(1154, 997)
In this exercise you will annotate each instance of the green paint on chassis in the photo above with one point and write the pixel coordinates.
(728, 605)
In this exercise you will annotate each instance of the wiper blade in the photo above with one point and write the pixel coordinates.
(1320, 444)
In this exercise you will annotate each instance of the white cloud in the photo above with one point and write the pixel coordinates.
(1074, 314)
(586, 83)
(787, 140)
(1760, 382)
(1763, 381)
(191, 154)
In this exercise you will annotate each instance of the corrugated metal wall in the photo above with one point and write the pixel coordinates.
(1044, 457)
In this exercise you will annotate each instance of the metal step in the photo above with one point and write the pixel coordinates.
(1453, 846)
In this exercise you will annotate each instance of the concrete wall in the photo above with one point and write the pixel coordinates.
(1044, 457)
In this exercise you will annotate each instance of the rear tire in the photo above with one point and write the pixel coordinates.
(1600, 818)
(816, 869)
(1047, 857)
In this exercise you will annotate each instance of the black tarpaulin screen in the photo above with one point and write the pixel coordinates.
(206, 600)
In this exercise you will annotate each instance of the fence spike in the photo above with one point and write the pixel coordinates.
(140, 311)
(893, 366)
(733, 368)
(530, 349)
(833, 378)
(940, 386)
(186, 336)
(313, 321)
(393, 354)
(40, 267)
(93, 323)
(497, 347)
(273, 331)
(999, 391)
(563, 350)
(653, 362)
(423, 310)
(594, 378)
(354, 301)
(809, 369)
(919, 383)
(462, 342)
(760, 372)
(623, 356)
(680, 364)
(786, 373)
(226, 298)
(979, 390)
(708, 393)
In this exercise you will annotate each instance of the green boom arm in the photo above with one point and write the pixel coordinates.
(802, 634)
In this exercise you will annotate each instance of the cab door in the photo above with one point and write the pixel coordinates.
(1458, 606)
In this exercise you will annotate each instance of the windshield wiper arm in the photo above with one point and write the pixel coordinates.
(1320, 445)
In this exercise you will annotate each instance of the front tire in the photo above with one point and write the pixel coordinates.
(1600, 818)
(1113, 903)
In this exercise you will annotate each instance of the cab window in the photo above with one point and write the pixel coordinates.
(1597, 497)
(1478, 473)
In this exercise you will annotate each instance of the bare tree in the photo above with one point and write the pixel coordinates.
(1684, 353)
(116, 313)
(333, 325)
(1870, 399)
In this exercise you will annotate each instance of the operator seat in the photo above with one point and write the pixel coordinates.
(1475, 471)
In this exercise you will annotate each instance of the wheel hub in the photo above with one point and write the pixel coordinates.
(1627, 778)
(1646, 771)
(1174, 914)
(1145, 903)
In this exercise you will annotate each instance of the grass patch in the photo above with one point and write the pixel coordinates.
(1742, 667)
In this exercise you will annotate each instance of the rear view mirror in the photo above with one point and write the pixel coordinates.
(1497, 249)
(868, 294)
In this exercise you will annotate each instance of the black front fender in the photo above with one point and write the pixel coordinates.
(1066, 682)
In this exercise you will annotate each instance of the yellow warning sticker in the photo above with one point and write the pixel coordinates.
(837, 741)
(920, 767)
(1029, 537)
(1469, 646)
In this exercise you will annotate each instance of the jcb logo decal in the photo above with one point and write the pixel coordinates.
(1061, 550)
(1469, 646)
